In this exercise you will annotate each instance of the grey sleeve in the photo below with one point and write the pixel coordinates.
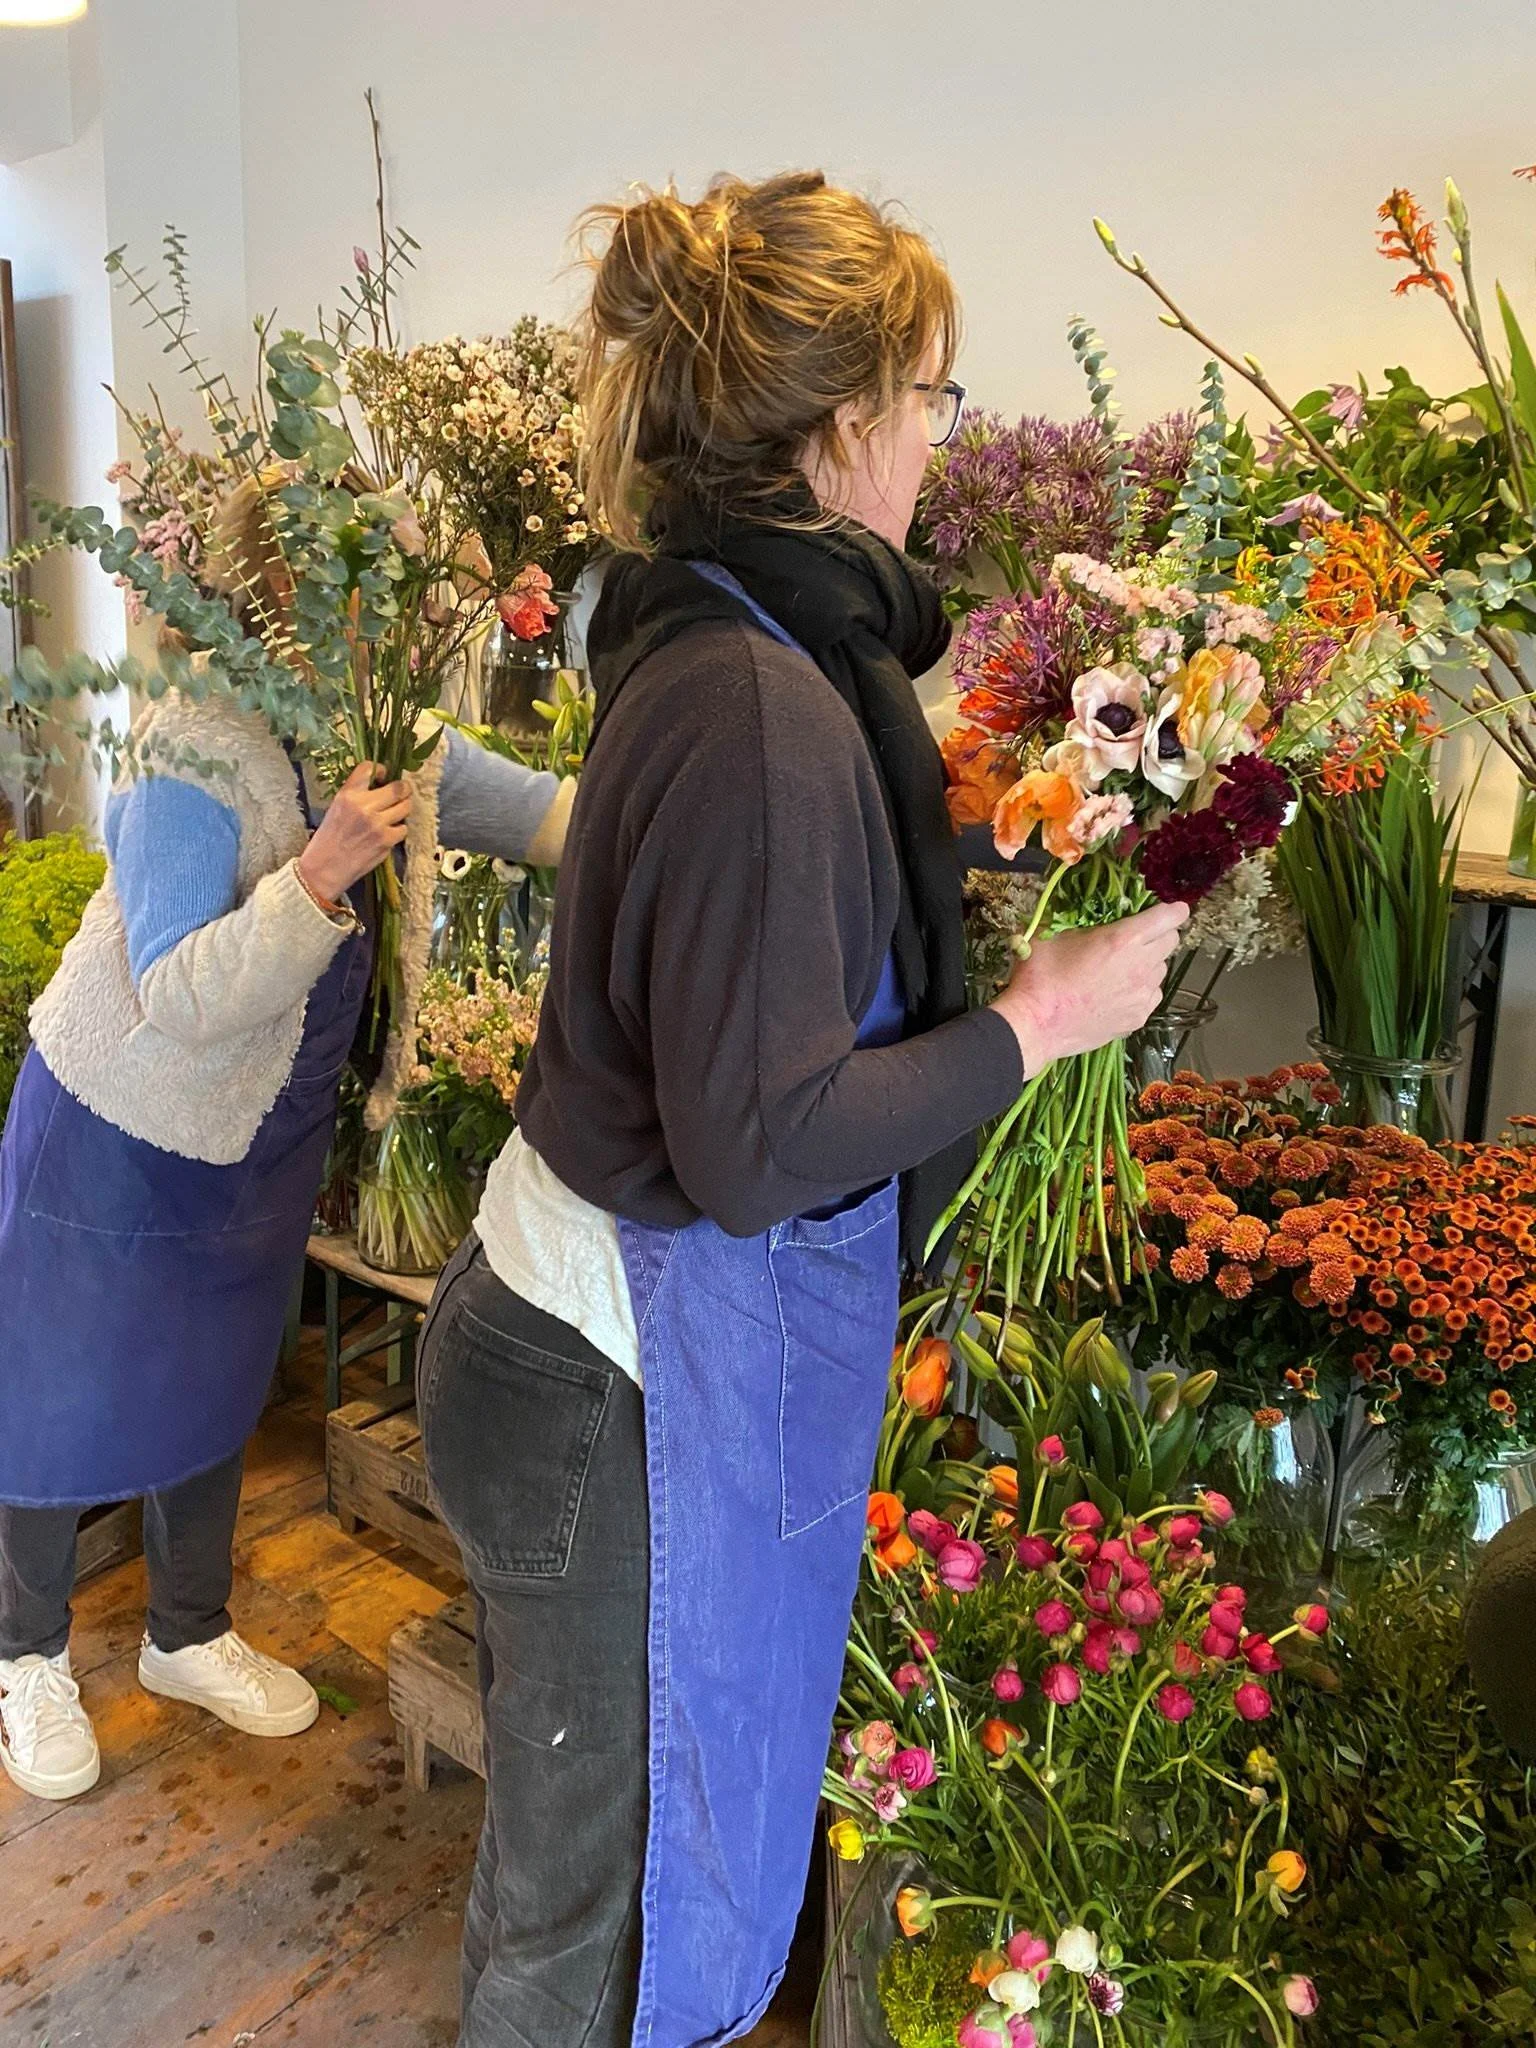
(487, 804)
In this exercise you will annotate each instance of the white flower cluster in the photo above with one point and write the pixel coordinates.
(1247, 915)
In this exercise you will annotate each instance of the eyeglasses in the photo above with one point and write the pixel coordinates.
(944, 404)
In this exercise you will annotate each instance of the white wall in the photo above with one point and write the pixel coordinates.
(1242, 149)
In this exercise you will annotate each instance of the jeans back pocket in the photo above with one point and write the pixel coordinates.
(508, 1432)
(836, 1283)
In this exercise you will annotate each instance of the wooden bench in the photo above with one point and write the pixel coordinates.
(108, 1536)
(337, 1257)
(434, 1691)
(376, 1473)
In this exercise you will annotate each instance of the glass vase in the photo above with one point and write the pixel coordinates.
(1280, 1475)
(1412, 1095)
(1522, 841)
(470, 914)
(414, 1203)
(516, 674)
(1172, 1040)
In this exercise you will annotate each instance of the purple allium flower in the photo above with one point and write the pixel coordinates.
(1016, 659)
(1158, 459)
(972, 487)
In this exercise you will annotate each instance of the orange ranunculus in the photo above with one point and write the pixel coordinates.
(1288, 1870)
(980, 773)
(996, 1736)
(1004, 1482)
(988, 1966)
(895, 1553)
(1043, 798)
(914, 1910)
(885, 1516)
(926, 1380)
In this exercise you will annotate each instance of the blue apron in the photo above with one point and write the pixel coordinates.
(765, 1361)
(145, 1294)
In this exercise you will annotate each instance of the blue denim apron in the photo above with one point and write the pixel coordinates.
(144, 1293)
(765, 1362)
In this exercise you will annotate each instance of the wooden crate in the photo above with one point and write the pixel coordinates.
(841, 2025)
(108, 1536)
(374, 1465)
(434, 1691)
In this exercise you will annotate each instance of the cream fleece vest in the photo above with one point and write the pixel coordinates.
(203, 1101)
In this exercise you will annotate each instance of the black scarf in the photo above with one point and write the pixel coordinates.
(871, 620)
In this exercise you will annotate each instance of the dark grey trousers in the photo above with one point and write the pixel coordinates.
(535, 1443)
(188, 1533)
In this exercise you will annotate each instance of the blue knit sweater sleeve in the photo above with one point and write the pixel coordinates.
(175, 854)
(488, 804)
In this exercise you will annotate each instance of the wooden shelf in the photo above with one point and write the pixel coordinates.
(340, 1255)
(1485, 878)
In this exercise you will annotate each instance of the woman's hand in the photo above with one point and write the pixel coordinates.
(1081, 989)
(360, 829)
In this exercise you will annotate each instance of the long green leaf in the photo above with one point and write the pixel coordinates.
(1522, 369)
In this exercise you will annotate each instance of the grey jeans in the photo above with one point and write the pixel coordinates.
(535, 1444)
(188, 1533)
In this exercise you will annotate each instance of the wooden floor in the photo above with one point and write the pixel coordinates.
(221, 1889)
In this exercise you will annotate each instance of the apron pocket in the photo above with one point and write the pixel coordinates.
(836, 1284)
(509, 1431)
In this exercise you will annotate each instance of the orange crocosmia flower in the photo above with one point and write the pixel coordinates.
(996, 1736)
(1004, 1482)
(1041, 798)
(926, 1380)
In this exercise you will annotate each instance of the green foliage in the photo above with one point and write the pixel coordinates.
(1421, 1831)
(926, 1987)
(45, 885)
(1210, 498)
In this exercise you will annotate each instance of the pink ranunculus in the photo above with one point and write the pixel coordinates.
(960, 1565)
(908, 1678)
(1097, 1603)
(913, 1769)
(1083, 1515)
(1260, 1655)
(1113, 1548)
(1217, 1509)
(1227, 1618)
(890, 1803)
(1127, 1642)
(1252, 1702)
(1101, 1573)
(1026, 1951)
(925, 1639)
(987, 2028)
(1035, 1552)
(1099, 1647)
(1232, 1596)
(1081, 1545)
(1021, 2032)
(1218, 1644)
(1174, 1702)
(1141, 1605)
(1185, 1662)
(1053, 1618)
(1061, 1685)
(1312, 1620)
(928, 1532)
(1183, 1529)
(1051, 1452)
(1134, 1573)
(846, 1743)
(1007, 1684)
(1300, 1996)
(1144, 1538)
(1105, 1994)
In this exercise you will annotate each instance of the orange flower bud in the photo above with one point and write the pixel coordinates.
(1004, 1482)
(996, 1736)
(926, 1380)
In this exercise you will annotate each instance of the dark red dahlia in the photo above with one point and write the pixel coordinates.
(1187, 856)
(1253, 798)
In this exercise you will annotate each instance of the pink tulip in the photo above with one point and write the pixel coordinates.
(1061, 1685)
(1218, 1644)
(1083, 1515)
(1051, 1452)
(1252, 1702)
(1184, 1529)
(1053, 1618)
(1218, 1510)
(913, 1769)
(1300, 1995)
(1312, 1621)
(960, 1565)
(1035, 1552)
(1174, 1702)
(1260, 1655)
(1007, 1684)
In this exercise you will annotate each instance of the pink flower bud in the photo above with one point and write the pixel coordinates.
(1127, 1642)
(1300, 1995)
(877, 1741)
(1053, 1618)
(1185, 1662)
(1113, 1550)
(1035, 1552)
(1260, 1655)
(1217, 1509)
(1184, 1529)
(1007, 1684)
(1227, 1618)
(1141, 1604)
(1312, 1621)
(925, 1639)
(360, 259)
(1134, 1573)
(1083, 1515)
(1144, 1537)
(1252, 1702)
(1174, 1702)
(1081, 1546)
(928, 1532)
(960, 1565)
(1232, 1596)
(1097, 1603)
(1026, 1951)
(1051, 1452)
(1098, 1647)
(1061, 1685)
(1218, 1644)
(913, 1769)
(1101, 1574)
(908, 1678)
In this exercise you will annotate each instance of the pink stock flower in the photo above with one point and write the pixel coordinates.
(1007, 1684)
(1035, 1552)
(1051, 1452)
(1026, 1951)
(1218, 1644)
(1260, 1655)
(928, 1532)
(908, 1678)
(1300, 1996)
(1061, 1685)
(1174, 1702)
(1083, 1515)
(960, 1565)
(913, 1769)
(1312, 1621)
(1252, 1702)
(1217, 1509)
(1184, 1529)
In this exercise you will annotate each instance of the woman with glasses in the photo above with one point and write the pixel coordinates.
(651, 1383)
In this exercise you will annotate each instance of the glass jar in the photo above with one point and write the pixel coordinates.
(1280, 1475)
(1412, 1095)
(414, 1203)
(1171, 1039)
(1522, 841)
(516, 674)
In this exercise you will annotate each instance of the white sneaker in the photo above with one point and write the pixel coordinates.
(249, 1690)
(47, 1743)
